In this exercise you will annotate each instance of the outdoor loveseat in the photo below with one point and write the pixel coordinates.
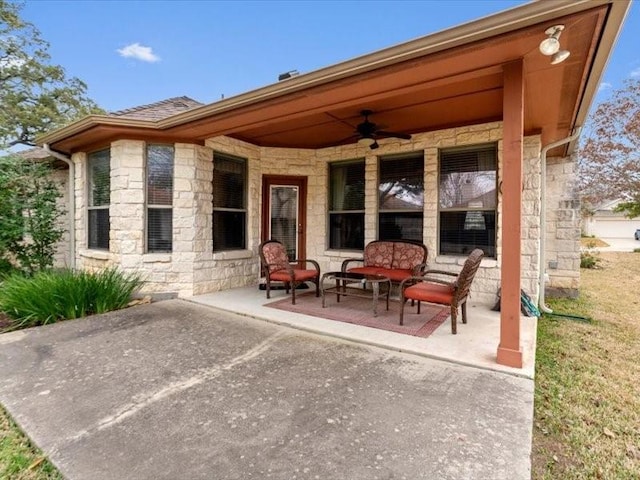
(395, 259)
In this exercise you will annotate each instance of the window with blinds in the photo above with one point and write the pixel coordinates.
(401, 197)
(99, 186)
(159, 184)
(229, 202)
(467, 199)
(346, 205)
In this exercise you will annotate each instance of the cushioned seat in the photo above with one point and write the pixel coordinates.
(395, 275)
(395, 259)
(431, 293)
(431, 288)
(366, 270)
(279, 268)
(299, 275)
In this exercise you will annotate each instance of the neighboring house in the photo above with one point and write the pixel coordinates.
(187, 199)
(605, 223)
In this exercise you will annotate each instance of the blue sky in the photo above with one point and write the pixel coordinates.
(137, 52)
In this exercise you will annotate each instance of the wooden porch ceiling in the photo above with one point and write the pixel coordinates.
(456, 86)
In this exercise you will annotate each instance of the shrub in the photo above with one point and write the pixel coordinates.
(6, 268)
(590, 257)
(53, 295)
(29, 214)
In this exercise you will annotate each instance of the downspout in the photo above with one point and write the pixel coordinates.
(543, 214)
(72, 202)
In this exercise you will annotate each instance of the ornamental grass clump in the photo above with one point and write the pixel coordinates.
(53, 295)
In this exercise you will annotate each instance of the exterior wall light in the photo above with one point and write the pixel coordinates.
(551, 45)
(560, 57)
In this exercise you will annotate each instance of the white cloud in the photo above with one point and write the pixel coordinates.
(635, 73)
(139, 52)
(604, 86)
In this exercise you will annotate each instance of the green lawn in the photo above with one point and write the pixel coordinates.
(19, 459)
(587, 405)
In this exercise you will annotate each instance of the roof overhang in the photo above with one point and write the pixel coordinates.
(450, 78)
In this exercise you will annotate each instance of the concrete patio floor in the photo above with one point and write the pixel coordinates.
(175, 390)
(475, 344)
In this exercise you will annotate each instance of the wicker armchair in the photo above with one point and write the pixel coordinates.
(431, 288)
(279, 268)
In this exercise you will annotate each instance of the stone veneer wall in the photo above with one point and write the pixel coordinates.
(530, 226)
(62, 254)
(234, 268)
(85, 258)
(488, 277)
(164, 272)
(192, 268)
(224, 270)
(562, 228)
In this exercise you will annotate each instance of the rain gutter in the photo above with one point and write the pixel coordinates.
(72, 201)
(543, 214)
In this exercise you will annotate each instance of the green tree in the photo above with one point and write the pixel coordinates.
(631, 208)
(609, 156)
(29, 213)
(35, 96)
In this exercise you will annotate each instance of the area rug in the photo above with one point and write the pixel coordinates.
(359, 311)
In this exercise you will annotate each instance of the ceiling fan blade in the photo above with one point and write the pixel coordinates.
(403, 136)
(370, 130)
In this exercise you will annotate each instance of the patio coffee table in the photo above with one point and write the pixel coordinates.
(369, 287)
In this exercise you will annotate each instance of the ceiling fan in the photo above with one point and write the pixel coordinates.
(368, 133)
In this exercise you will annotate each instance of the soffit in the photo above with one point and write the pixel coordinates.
(457, 86)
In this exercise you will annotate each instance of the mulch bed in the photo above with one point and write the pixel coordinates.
(5, 321)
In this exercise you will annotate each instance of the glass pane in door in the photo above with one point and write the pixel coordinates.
(283, 216)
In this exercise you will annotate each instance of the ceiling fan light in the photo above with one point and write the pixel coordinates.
(366, 141)
(560, 57)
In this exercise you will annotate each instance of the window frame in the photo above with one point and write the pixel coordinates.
(418, 212)
(354, 212)
(245, 210)
(157, 207)
(470, 210)
(90, 207)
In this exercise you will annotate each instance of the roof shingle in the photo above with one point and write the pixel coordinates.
(159, 110)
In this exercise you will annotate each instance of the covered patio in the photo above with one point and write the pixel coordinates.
(474, 345)
(484, 83)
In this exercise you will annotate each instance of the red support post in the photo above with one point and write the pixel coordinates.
(509, 349)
